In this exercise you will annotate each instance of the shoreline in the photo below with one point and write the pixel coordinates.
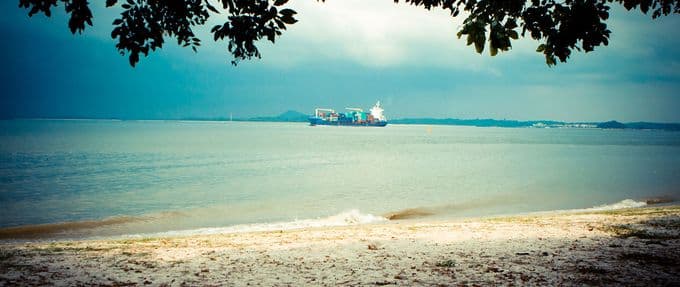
(615, 247)
(88, 229)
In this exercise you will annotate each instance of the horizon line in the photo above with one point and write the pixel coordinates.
(263, 119)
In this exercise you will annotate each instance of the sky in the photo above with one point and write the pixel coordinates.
(340, 54)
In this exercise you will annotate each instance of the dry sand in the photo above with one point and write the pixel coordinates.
(625, 247)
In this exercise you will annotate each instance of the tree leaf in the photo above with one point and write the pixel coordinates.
(288, 12)
(280, 2)
(493, 51)
(287, 16)
(540, 48)
(211, 7)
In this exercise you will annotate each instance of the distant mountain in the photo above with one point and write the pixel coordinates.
(288, 116)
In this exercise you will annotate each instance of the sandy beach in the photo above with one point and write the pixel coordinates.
(638, 246)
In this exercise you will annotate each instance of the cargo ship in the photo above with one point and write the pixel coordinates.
(352, 117)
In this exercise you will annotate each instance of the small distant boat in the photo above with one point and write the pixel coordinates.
(353, 117)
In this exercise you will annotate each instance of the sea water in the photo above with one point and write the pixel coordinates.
(84, 178)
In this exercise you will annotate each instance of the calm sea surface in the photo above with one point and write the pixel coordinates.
(127, 177)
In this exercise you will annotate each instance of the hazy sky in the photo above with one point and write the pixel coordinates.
(341, 53)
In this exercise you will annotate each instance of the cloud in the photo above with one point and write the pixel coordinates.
(373, 33)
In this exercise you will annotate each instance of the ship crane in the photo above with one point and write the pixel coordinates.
(316, 112)
(355, 109)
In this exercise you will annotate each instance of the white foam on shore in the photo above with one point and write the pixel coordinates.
(351, 217)
(626, 203)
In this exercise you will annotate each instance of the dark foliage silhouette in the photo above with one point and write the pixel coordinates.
(559, 26)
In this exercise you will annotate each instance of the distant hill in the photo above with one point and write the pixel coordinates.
(611, 125)
(653, 126)
(639, 126)
(288, 116)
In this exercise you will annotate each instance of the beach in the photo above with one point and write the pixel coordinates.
(634, 246)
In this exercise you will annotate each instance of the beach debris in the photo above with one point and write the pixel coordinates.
(493, 269)
(372, 246)
(655, 242)
(447, 263)
(522, 253)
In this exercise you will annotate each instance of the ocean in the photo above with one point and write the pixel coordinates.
(101, 178)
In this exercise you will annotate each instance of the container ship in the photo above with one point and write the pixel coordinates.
(353, 117)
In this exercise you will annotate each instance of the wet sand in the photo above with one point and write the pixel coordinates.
(639, 246)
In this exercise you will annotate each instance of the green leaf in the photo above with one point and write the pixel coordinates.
(550, 60)
(493, 50)
(479, 44)
(540, 48)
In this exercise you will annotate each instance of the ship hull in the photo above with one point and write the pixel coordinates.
(313, 121)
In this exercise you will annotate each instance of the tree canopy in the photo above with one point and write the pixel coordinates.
(560, 27)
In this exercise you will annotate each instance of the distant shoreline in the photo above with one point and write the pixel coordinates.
(302, 118)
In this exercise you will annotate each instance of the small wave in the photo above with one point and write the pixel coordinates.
(410, 213)
(626, 203)
(352, 217)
